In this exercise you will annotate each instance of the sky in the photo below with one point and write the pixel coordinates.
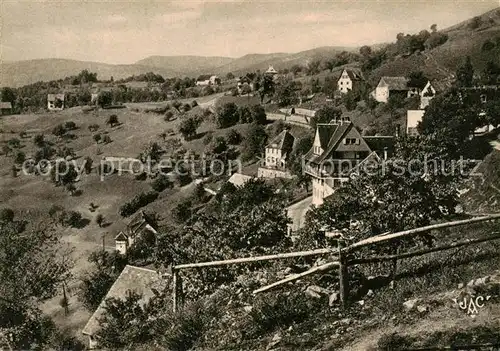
(118, 31)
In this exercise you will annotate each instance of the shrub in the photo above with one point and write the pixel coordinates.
(112, 120)
(258, 114)
(39, 140)
(6, 215)
(97, 138)
(59, 130)
(245, 115)
(137, 202)
(182, 212)
(227, 115)
(168, 116)
(70, 125)
(106, 139)
(194, 103)
(20, 157)
(70, 219)
(186, 107)
(14, 143)
(161, 183)
(233, 137)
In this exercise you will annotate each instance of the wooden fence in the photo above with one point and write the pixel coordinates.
(341, 259)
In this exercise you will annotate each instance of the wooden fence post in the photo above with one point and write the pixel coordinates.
(174, 289)
(343, 277)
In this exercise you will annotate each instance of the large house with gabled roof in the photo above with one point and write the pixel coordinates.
(388, 86)
(276, 156)
(350, 79)
(339, 150)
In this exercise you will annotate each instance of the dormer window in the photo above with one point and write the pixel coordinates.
(351, 141)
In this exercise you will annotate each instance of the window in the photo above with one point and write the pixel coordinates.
(317, 150)
(484, 98)
(350, 141)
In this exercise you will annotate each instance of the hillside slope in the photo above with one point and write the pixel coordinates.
(20, 73)
(187, 64)
(442, 61)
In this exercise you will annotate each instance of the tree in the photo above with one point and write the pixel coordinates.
(330, 63)
(124, 322)
(39, 140)
(227, 115)
(106, 139)
(104, 98)
(97, 138)
(365, 51)
(244, 114)
(230, 76)
(70, 125)
(350, 100)
(6, 215)
(8, 95)
(313, 67)
(246, 89)
(491, 73)
(94, 286)
(32, 268)
(434, 28)
(182, 212)
(265, 86)
(188, 127)
(233, 137)
(325, 114)
(417, 79)
(99, 219)
(258, 114)
(285, 94)
(465, 73)
(59, 130)
(161, 183)
(70, 187)
(112, 120)
(88, 165)
(20, 157)
(254, 142)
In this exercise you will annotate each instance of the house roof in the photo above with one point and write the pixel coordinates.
(353, 73)
(394, 83)
(140, 280)
(238, 179)
(53, 97)
(372, 156)
(5, 105)
(271, 70)
(380, 143)
(305, 112)
(283, 141)
(138, 222)
(330, 136)
(121, 237)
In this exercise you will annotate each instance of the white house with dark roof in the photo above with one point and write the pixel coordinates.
(388, 86)
(140, 280)
(276, 156)
(140, 226)
(350, 79)
(55, 102)
(339, 151)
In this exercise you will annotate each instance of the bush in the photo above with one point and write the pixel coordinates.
(137, 202)
(161, 183)
(20, 157)
(194, 103)
(182, 212)
(233, 137)
(97, 138)
(70, 219)
(106, 139)
(70, 125)
(112, 120)
(39, 140)
(6, 215)
(258, 114)
(227, 115)
(59, 130)
(186, 107)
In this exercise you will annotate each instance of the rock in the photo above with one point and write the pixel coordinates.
(370, 293)
(316, 291)
(333, 298)
(461, 285)
(422, 309)
(410, 304)
(275, 341)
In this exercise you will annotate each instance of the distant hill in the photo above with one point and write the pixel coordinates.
(442, 61)
(188, 65)
(20, 73)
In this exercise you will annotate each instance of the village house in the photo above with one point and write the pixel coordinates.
(55, 102)
(350, 79)
(388, 86)
(338, 152)
(213, 80)
(142, 226)
(271, 71)
(139, 280)
(277, 154)
(5, 108)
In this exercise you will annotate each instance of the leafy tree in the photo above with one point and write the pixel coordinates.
(330, 63)
(350, 100)
(186, 107)
(104, 98)
(313, 67)
(112, 120)
(325, 114)
(6, 215)
(227, 115)
(434, 28)
(417, 79)
(491, 73)
(88, 165)
(285, 94)
(94, 286)
(365, 51)
(182, 212)
(106, 139)
(244, 114)
(8, 95)
(188, 127)
(265, 86)
(39, 140)
(161, 183)
(246, 89)
(229, 76)
(59, 130)
(97, 138)
(254, 142)
(20, 157)
(14, 143)
(258, 114)
(233, 137)
(99, 219)
(70, 125)
(465, 73)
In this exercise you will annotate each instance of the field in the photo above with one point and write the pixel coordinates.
(32, 196)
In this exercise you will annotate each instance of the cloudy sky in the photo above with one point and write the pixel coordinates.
(124, 31)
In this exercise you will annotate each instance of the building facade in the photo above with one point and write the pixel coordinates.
(388, 86)
(277, 153)
(350, 79)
